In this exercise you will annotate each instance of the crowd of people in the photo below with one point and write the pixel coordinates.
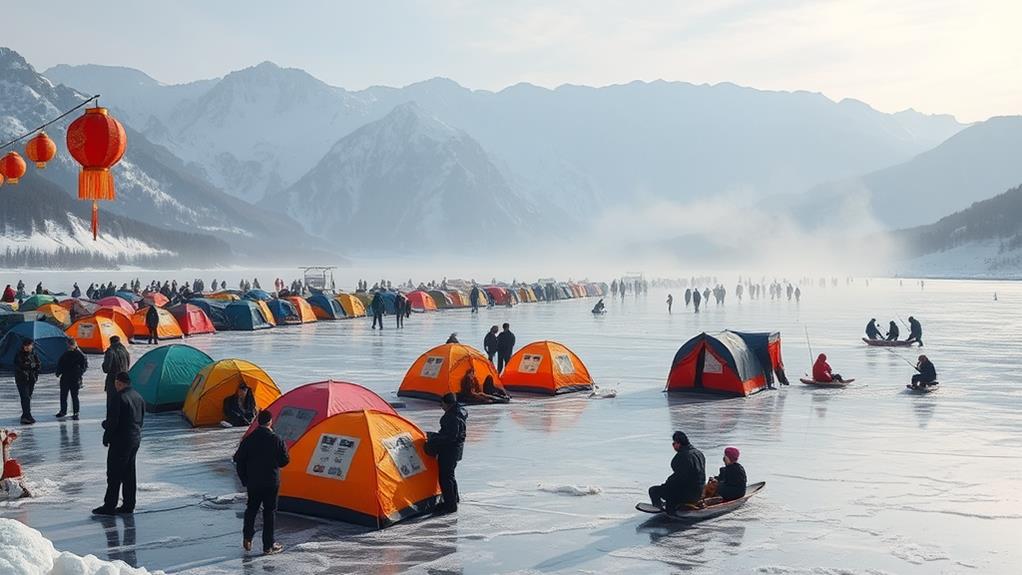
(915, 331)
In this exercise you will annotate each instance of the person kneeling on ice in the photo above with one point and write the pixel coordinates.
(685, 485)
(927, 373)
(730, 482)
(239, 408)
(822, 372)
(11, 484)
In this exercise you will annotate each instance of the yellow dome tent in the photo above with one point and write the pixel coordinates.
(205, 399)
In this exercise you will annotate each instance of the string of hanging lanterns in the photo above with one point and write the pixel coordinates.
(96, 140)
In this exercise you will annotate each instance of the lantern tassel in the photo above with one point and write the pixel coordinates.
(96, 184)
(95, 219)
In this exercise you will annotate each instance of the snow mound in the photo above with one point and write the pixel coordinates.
(576, 490)
(24, 551)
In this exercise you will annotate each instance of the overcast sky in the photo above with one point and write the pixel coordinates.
(937, 56)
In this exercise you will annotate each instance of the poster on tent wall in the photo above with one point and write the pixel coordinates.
(85, 330)
(292, 422)
(530, 363)
(711, 364)
(431, 368)
(402, 452)
(333, 456)
(563, 363)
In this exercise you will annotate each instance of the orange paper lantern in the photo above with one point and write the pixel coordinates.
(40, 150)
(12, 167)
(96, 140)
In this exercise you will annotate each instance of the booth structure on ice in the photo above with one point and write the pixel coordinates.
(728, 363)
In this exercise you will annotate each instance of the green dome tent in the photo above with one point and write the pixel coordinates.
(163, 375)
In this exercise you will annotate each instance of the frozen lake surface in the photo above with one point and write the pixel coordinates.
(868, 479)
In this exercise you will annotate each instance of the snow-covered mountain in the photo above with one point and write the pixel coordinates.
(153, 185)
(409, 182)
(974, 164)
(576, 148)
(40, 225)
(984, 239)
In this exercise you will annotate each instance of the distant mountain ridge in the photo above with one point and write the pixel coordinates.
(580, 150)
(410, 182)
(153, 186)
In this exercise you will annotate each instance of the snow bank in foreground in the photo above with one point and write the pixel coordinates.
(24, 551)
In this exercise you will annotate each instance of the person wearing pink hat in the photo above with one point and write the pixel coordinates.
(731, 481)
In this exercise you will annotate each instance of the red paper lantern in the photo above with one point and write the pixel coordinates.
(40, 150)
(96, 140)
(12, 167)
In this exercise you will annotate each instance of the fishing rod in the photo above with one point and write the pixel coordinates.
(901, 358)
(903, 322)
(809, 345)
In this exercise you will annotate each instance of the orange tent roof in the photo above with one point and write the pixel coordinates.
(265, 310)
(168, 328)
(56, 313)
(421, 301)
(439, 371)
(93, 333)
(305, 310)
(364, 467)
(204, 403)
(122, 319)
(546, 367)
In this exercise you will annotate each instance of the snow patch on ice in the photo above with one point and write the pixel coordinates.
(24, 550)
(226, 499)
(781, 570)
(576, 490)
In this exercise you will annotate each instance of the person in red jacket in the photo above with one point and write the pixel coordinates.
(822, 371)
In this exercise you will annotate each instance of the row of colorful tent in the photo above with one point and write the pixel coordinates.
(543, 367)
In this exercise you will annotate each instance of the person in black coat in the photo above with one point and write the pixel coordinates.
(239, 407)
(258, 460)
(116, 359)
(505, 347)
(685, 484)
(152, 323)
(490, 342)
(892, 331)
(70, 368)
(872, 331)
(400, 305)
(731, 481)
(915, 331)
(122, 435)
(448, 445)
(377, 306)
(26, 374)
(927, 373)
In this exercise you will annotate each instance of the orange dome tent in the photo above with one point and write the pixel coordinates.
(55, 314)
(546, 367)
(352, 305)
(205, 400)
(363, 467)
(168, 328)
(439, 371)
(304, 309)
(93, 333)
(306, 406)
(122, 319)
(421, 301)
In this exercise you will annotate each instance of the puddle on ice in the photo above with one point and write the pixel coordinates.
(863, 480)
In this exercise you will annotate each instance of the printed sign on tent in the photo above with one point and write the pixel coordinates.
(563, 363)
(85, 330)
(404, 455)
(291, 423)
(333, 456)
(431, 368)
(530, 363)
(711, 364)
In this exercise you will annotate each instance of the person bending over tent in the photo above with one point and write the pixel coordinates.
(685, 484)
(872, 331)
(893, 332)
(822, 372)
(239, 408)
(491, 389)
(927, 373)
(915, 333)
(12, 486)
(730, 482)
